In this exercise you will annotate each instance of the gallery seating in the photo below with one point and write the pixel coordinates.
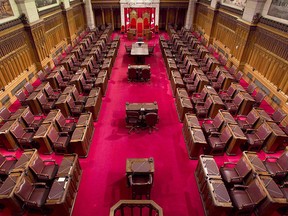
(44, 170)
(257, 138)
(23, 136)
(32, 195)
(235, 173)
(277, 167)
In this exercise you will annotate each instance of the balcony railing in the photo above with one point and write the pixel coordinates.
(136, 208)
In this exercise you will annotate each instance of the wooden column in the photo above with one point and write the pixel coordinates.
(103, 16)
(167, 17)
(112, 18)
(176, 18)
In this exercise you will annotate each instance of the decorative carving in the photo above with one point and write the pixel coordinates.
(256, 18)
(24, 19)
(235, 11)
(49, 10)
(280, 26)
(10, 24)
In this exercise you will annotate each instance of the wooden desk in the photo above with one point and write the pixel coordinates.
(6, 137)
(80, 141)
(142, 107)
(195, 143)
(7, 195)
(18, 114)
(247, 104)
(102, 81)
(52, 116)
(276, 138)
(41, 137)
(139, 52)
(52, 78)
(61, 198)
(238, 139)
(34, 104)
(215, 198)
(206, 168)
(67, 62)
(202, 80)
(61, 104)
(228, 79)
(77, 51)
(93, 104)
(217, 104)
(139, 166)
(107, 66)
(176, 83)
(183, 106)
(274, 197)
(227, 117)
(76, 80)
(27, 158)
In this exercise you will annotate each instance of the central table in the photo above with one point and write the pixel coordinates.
(139, 50)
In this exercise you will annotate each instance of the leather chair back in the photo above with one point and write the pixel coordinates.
(28, 117)
(242, 168)
(233, 69)
(225, 135)
(42, 99)
(283, 161)
(53, 135)
(17, 130)
(263, 132)
(278, 115)
(20, 96)
(145, 73)
(252, 117)
(5, 113)
(47, 69)
(151, 119)
(231, 91)
(238, 76)
(41, 75)
(132, 74)
(24, 189)
(237, 101)
(48, 90)
(217, 121)
(132, 116)
(37, 166)
(251, 88)
(29, 88)
(70, 102)
(61, 120)
(256, 192)
(259, 97)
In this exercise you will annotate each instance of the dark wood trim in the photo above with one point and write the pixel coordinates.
(10, 24)
(272, 23)
(75, 2)
(49, 10)
(207, 2)
(235, 11)
(103, 5)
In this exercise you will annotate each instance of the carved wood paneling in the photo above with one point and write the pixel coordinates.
(15, 55)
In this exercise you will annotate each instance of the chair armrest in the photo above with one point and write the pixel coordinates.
(40, 184)
(215, 134)
(228, 163)
(207, 119)
(250, 131)
(71, 118)
(248, 205)
(29, 129)
(270, 157)
(239, 187)
(62, 134)
(50, 161)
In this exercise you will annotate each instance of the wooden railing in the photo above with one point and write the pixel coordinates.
(136, 207)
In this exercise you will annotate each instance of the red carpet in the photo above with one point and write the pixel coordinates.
(104, 182)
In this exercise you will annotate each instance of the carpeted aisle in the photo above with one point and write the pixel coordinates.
(103, 181)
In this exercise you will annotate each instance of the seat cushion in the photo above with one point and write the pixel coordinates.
(216, 143)
(208, 127)
(50, 170)
(228, 174)
(272, 167)
(39, 196)
(239, 198)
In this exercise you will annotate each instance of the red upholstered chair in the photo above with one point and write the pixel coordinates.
(151, 119)
(5, 114)
(41, 76)
(86, 86)
(146, 75)
(88, 78)
(76, 62)
(234, 105)
(202, 109)
(65, 126)
(256, 138)
(32, 195)
(79, 99)
(45, 104)
(30, 120)
(213, 76)
(246, 198)
(61, 83)
(60, 141)
(232, 70)
(29, 88)
(277, 167)
(132, 120)
(198, 97)
(251, 88)
(64, 74)
(235, 173)
(227, 95)
(219, 83)
(139, 27)
(44, 170)
(259, 97)
(215, 126)
(24, 136)
(218, 141)
(239, 76)
(141, 185)
(278, 116)
(132, 74)
(75, 109)
(7, 163)
(192, 87)
(20, 95)
(249, 121)
(47, 70)
(51, 94)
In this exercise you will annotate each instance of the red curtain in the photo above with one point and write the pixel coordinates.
(140, 12)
